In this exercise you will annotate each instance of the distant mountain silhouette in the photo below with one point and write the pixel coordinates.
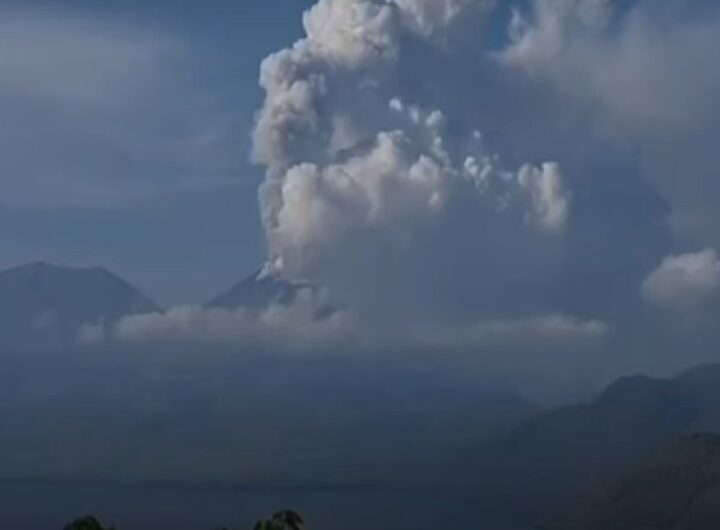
(44, 305)
(571, 452)
(264, 289)
(259, 291)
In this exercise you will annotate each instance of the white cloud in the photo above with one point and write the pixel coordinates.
(297, 328)
(550, 199)
(529, 333)
(281, 328)
(350, 33)
(686, 283)
(430, 17)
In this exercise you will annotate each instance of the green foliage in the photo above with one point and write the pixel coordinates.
(287, 520)
(87, 523)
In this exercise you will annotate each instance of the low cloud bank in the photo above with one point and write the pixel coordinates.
(301, 327)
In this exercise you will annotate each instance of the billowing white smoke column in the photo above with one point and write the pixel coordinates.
(374, 176)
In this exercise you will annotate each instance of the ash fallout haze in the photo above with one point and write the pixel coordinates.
(346, 254)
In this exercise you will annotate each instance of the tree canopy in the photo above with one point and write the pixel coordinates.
(285, 520)
(87, 523)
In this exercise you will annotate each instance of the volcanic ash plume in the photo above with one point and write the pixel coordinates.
(375, 170)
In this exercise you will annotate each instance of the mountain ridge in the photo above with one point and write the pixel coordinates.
(572, 452)
(258, 291)
(45, 306)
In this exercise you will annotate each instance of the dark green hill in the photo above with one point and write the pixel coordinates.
(564, 456)
(676, 488)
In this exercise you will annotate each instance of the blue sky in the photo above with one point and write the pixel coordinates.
(110, 94)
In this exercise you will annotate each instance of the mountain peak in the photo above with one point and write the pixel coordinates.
(633, 388)
(45, 305)
(263, 288)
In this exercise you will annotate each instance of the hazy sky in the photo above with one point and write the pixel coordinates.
(471, 197)
(127, 137)
(500, 175)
